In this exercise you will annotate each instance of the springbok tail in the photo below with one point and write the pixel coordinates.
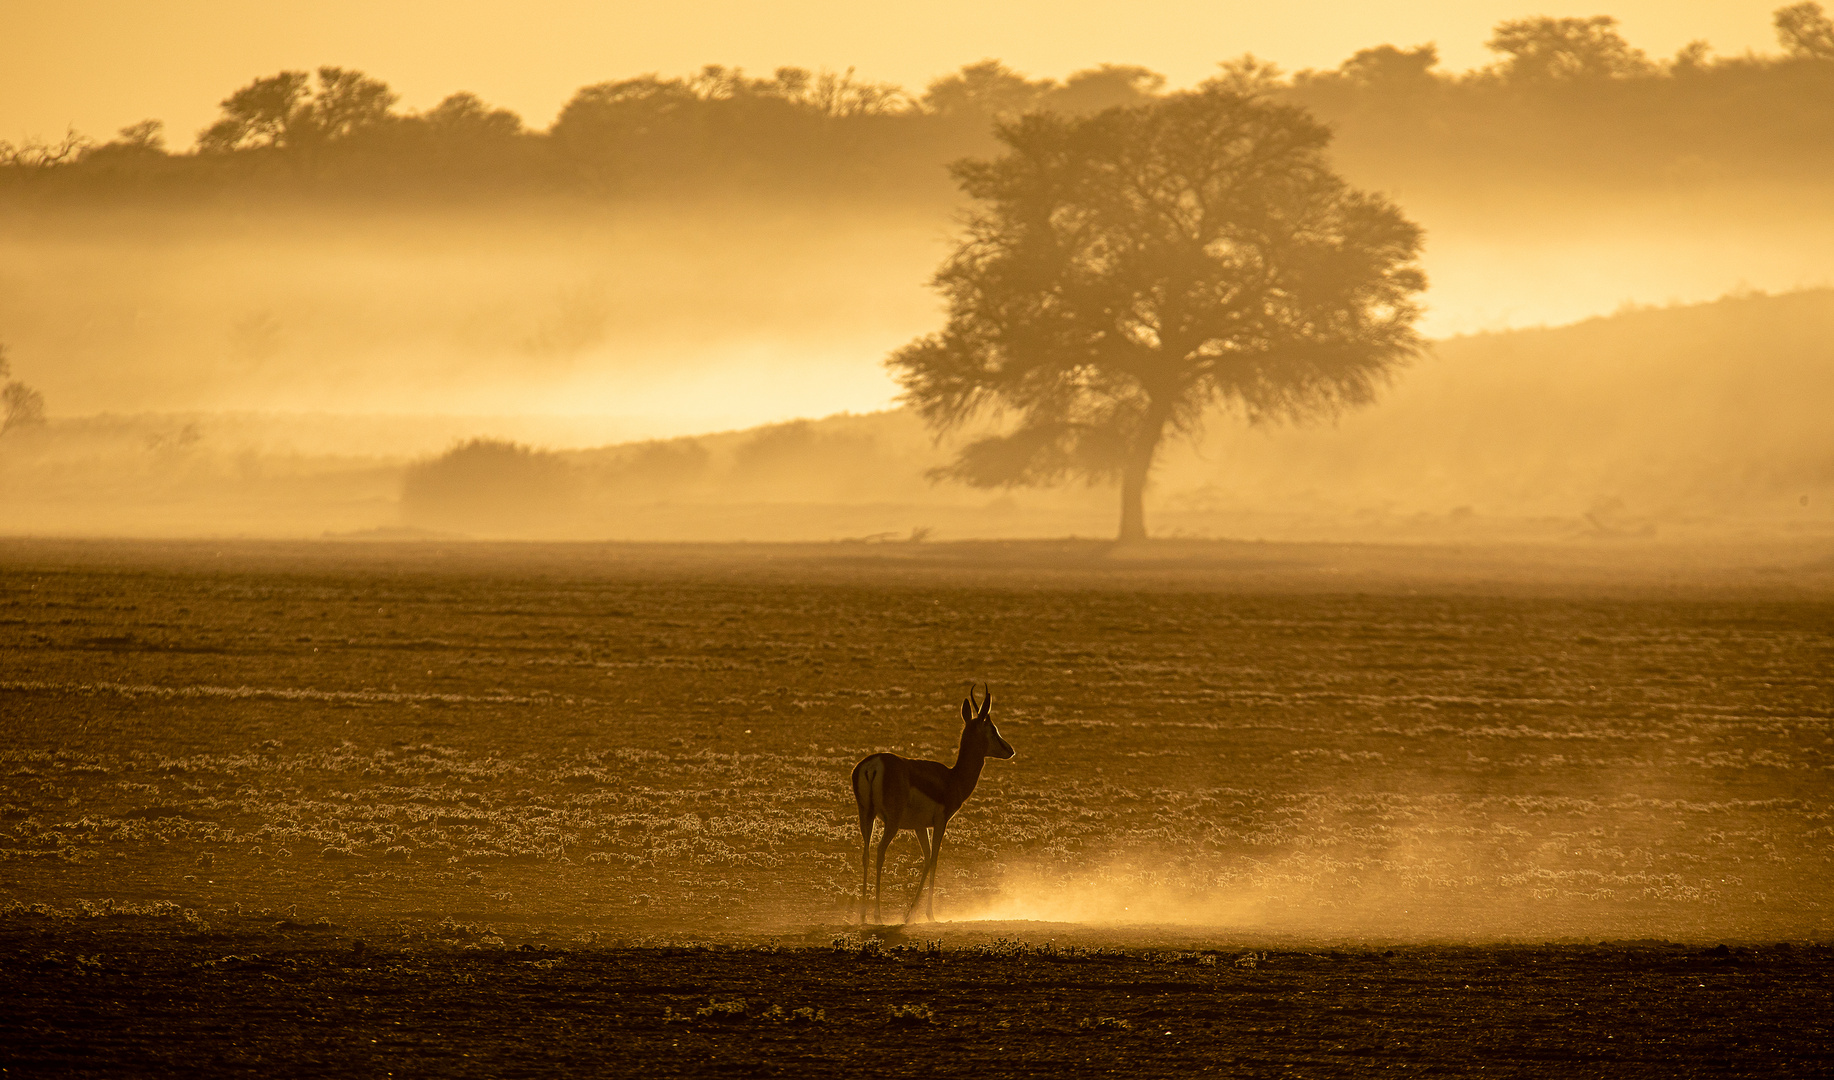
(868, 791)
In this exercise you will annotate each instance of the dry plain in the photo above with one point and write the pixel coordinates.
(515, 809)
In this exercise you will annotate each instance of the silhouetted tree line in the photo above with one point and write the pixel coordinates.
(1571, 96)
(1565, 95)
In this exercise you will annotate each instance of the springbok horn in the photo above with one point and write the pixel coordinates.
(986, 700)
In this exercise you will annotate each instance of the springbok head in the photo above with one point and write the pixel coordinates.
(977, 724)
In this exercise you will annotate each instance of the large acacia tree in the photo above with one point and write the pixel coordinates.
(1125, 274)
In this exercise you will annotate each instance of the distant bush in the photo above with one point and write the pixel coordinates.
(489, 485)
(790, 459)
(656, 470)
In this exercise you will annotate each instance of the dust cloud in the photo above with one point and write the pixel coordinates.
(1445, 891)
(1647, 858)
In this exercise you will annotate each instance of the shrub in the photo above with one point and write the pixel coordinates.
(1105, 1023)
(489, 485)
(913, 1014)
(722, 1012)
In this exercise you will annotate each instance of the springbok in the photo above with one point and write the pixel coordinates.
(921, 795)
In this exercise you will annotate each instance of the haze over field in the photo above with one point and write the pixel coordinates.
(268, 327)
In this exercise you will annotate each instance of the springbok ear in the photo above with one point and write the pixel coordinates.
(967, 711)
(987, 701)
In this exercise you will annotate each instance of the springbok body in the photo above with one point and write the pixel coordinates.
(922, 796)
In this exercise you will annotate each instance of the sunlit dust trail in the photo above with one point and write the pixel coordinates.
(1036, 898)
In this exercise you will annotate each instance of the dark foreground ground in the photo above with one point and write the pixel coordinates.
(315, 1001)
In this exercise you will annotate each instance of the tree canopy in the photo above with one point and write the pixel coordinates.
(20, 405)
(1544, 49)
(1805, 31)
(1127, 273)
(284, 111)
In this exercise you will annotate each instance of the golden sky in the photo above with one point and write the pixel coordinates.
(102, 64)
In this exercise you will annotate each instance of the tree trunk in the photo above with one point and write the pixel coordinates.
(1133, 505)
(1135, 473)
